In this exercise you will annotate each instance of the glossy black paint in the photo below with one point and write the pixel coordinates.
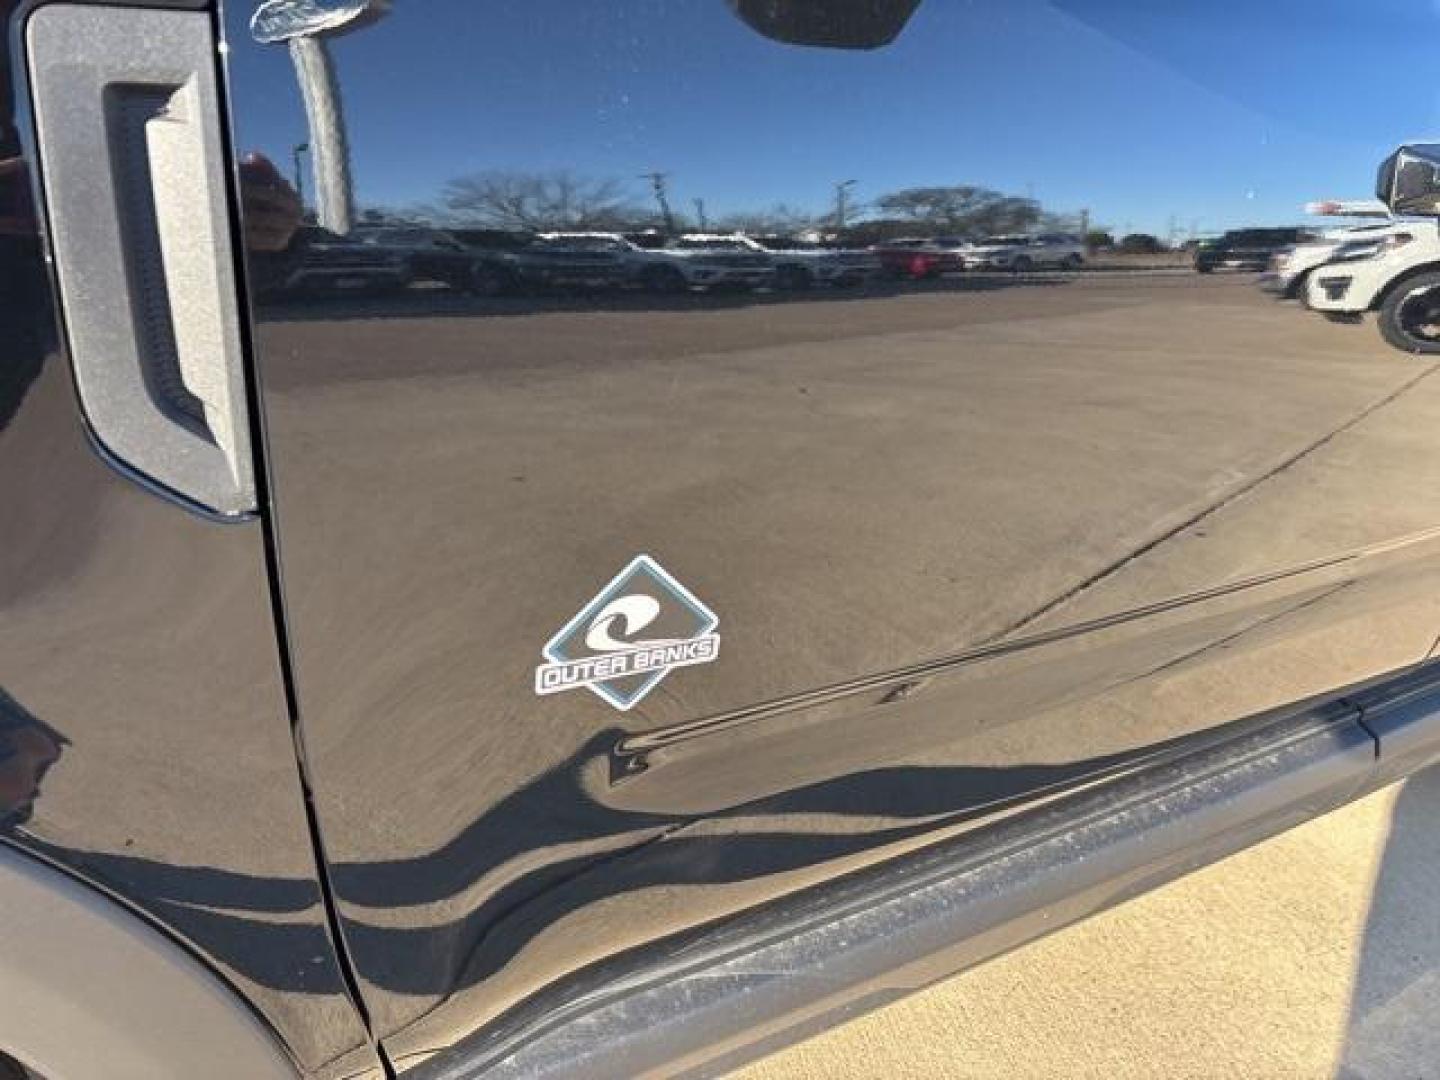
(144, 735)
(920, 633)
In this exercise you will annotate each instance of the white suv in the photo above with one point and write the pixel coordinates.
(800, 264)
(1289, 271)
(1396, 275)
(707, 261)
(1021, 253)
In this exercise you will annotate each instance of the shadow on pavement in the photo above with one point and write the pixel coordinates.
(1394, 1028)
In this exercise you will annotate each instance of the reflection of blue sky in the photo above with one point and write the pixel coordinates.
(1229, 112)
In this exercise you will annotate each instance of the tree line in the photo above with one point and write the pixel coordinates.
(563, 201)
(560, 200)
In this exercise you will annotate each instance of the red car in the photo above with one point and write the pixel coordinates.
(920, 258)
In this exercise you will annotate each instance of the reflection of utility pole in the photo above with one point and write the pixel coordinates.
(842, 202)
(296, 151)
(305, 27)
(657, 185)
(700, 215)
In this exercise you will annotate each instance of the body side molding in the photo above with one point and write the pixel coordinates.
(719, 998)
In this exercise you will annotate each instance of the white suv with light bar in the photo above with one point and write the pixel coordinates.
(1289, 271)
(1389, 275)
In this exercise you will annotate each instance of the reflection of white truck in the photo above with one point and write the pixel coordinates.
(675, 268)
(1396, 275)
(800, 264)
(1021, 253)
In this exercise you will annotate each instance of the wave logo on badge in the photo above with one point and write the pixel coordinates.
(640, 627)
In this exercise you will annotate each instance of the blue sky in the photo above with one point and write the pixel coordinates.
(1222, 113)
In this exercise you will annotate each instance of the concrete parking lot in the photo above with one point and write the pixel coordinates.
(1315, 955)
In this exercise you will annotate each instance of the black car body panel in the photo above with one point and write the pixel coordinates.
(920, 562)
(145, 738)
(451, 490)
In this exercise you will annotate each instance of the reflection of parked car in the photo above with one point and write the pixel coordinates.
(1246, 249)
(1396, 275)
(703, 261)
(571, 261)
(491, 240)
(920, 257)
(327, 263)
(1021, 253)
(802, 263)
(699, 259)
(1289, 270)
(429, 254)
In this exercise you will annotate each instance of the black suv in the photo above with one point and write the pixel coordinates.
(1246, 249)
(430, 255)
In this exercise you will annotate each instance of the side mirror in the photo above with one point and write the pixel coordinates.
(830, 24)
(1409, 180)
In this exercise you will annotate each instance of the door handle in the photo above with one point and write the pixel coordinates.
(133, 173)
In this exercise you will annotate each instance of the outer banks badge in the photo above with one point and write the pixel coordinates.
(637, 629)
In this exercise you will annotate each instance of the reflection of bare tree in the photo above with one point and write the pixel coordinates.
(539, 201)
(558, 200)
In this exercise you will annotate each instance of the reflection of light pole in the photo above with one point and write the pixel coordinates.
(296, 151)
(305, 26)
(842, 193)
(334, 191)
